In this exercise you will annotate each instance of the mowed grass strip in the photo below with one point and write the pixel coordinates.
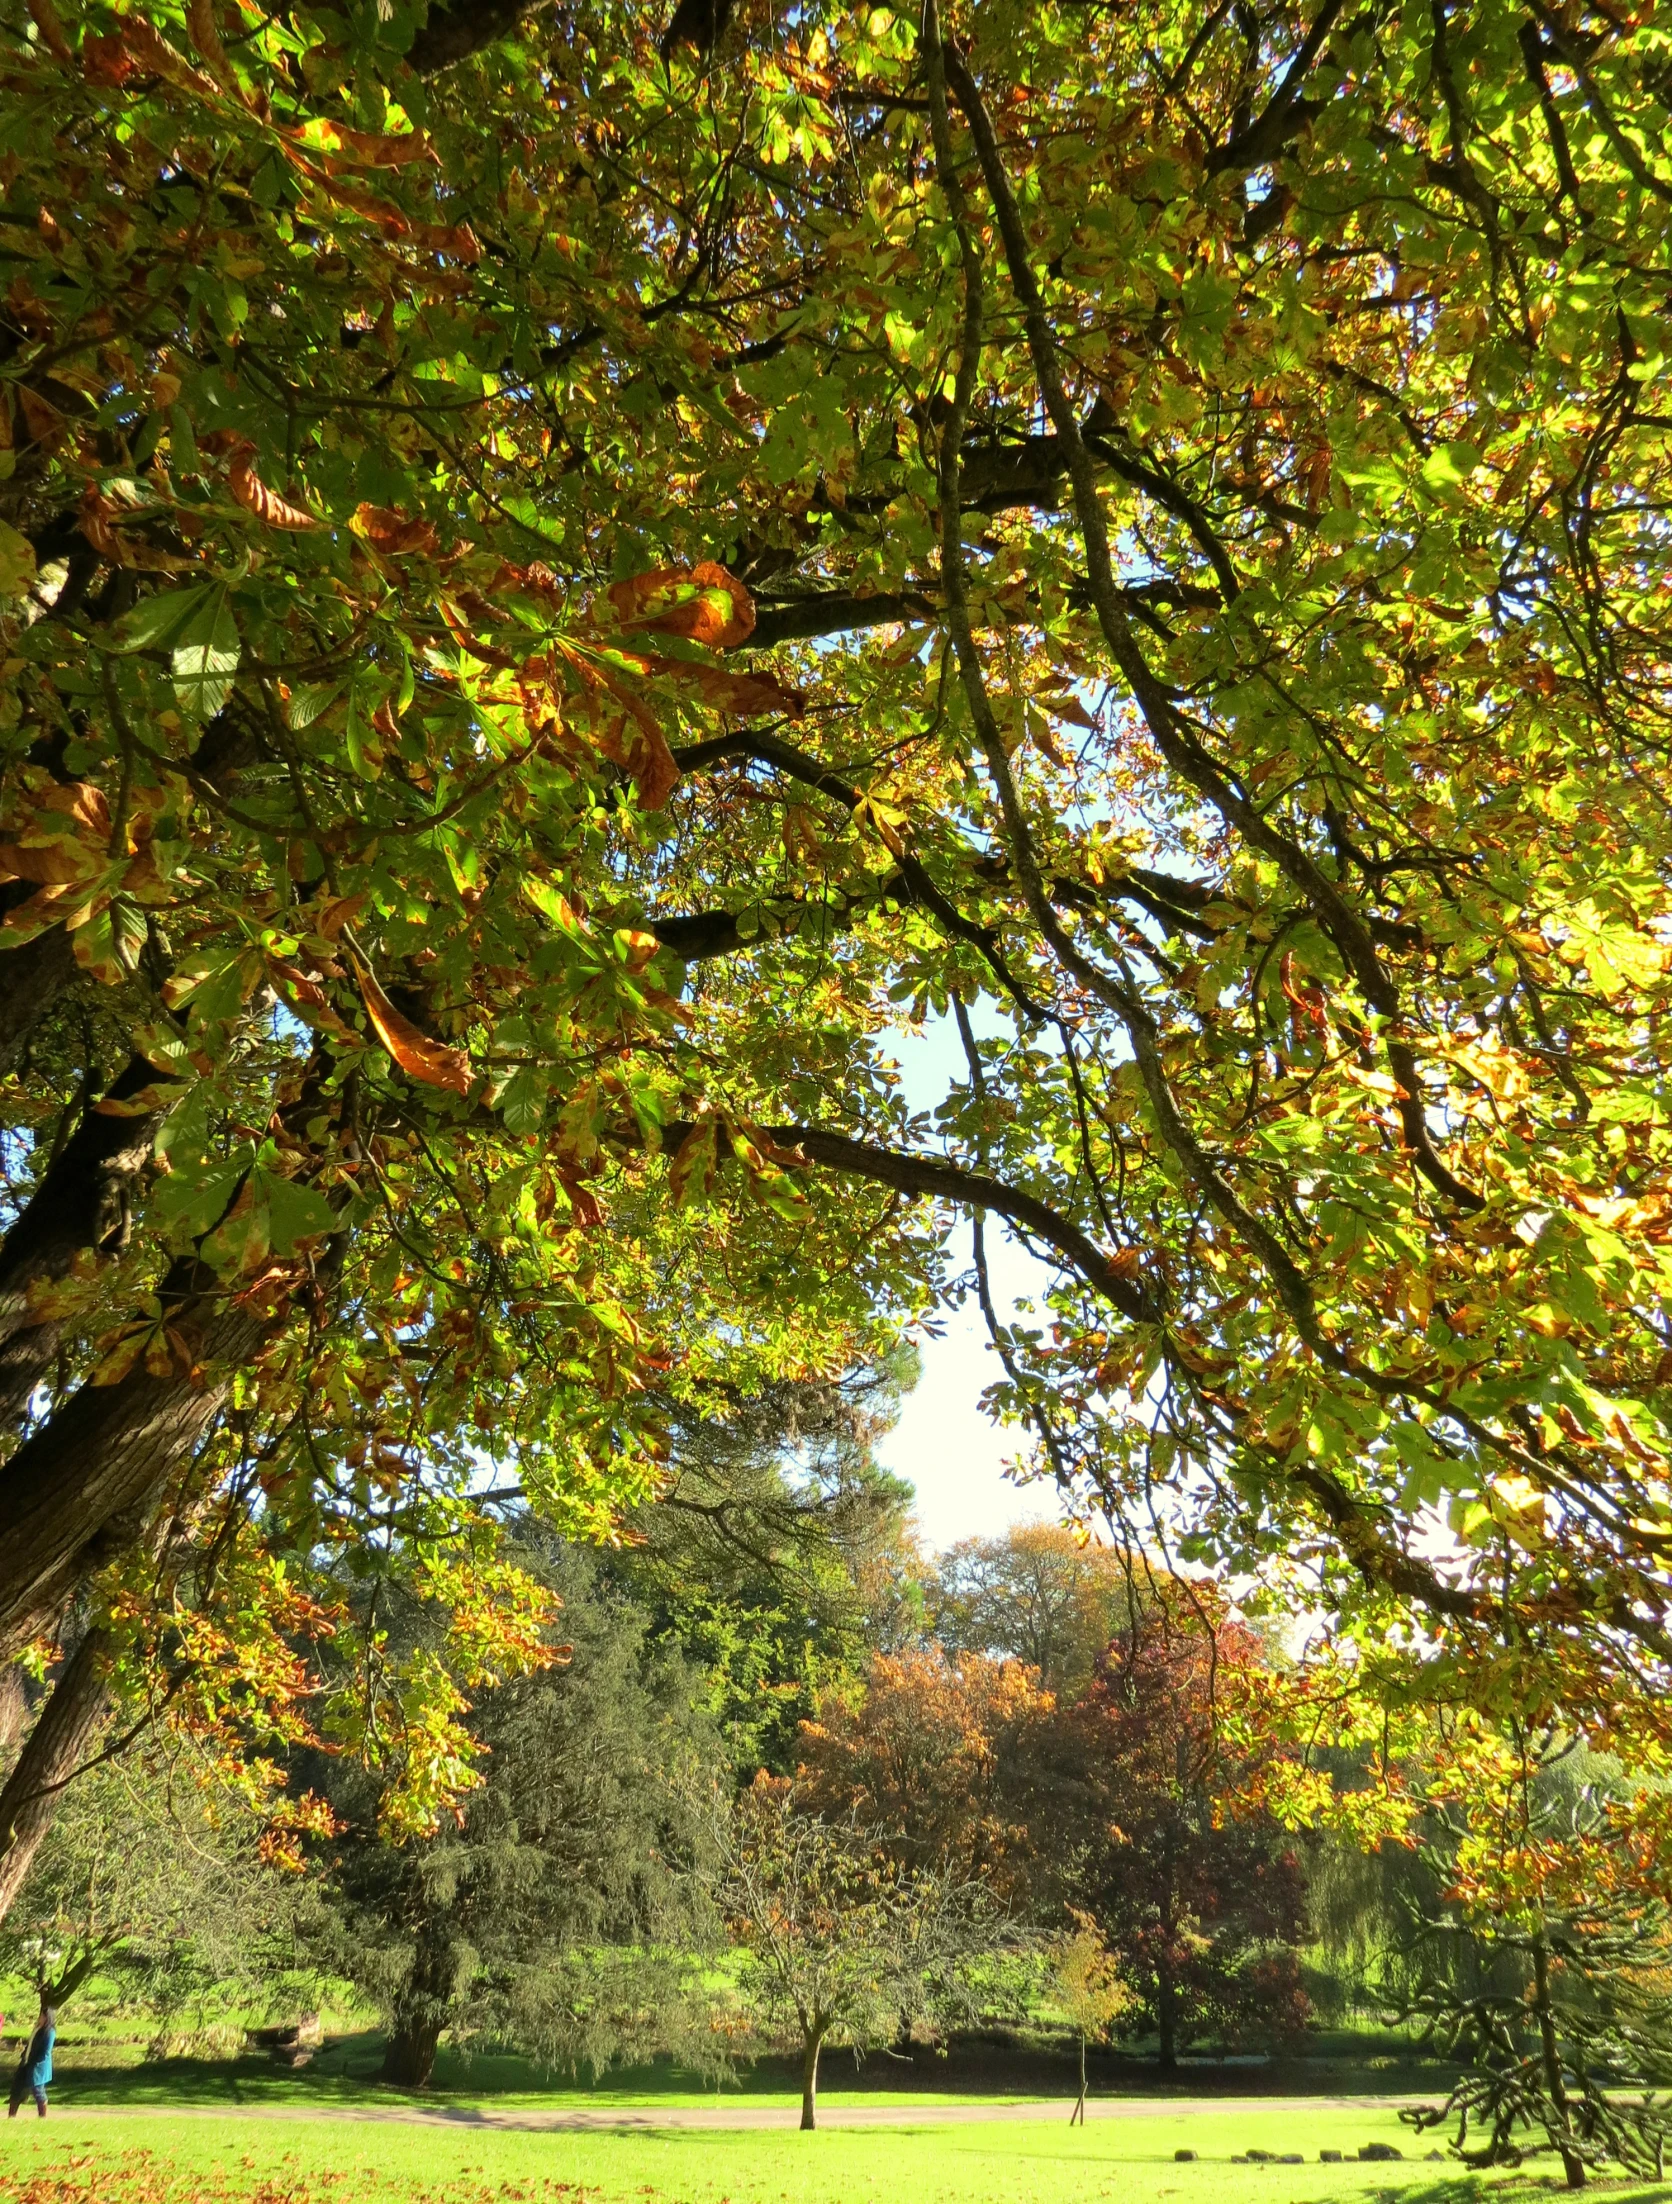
(211, 2159)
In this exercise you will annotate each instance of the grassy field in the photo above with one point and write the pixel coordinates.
(98, 2068)
(91, 2158)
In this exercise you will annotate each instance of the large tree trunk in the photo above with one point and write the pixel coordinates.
(32, 977)
(75, 1493)
(409, 2059)
(64, 1734)
(83, 1202)
(811, 2045)
(423, 2011)
(1562, 2136)
(14, 1706)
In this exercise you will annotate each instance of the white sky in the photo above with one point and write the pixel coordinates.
(943, 1444)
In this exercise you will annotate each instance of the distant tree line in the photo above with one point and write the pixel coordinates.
(783, 1780)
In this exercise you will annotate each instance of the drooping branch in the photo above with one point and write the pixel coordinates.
(1177, 740)
(1116, 1277)
(787, 759)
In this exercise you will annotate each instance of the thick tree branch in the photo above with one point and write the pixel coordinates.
(67, 1724)
(84, 1201)
(1115, 1277)
(1286, 114)
(812, 774)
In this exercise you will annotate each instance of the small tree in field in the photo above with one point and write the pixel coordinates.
(1091, 1989)
(840, 1940)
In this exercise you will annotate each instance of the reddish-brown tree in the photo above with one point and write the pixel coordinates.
(1205, 1905)
(938, 1758)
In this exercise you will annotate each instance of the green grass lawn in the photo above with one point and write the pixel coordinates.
(87, 2158)
(99, 2068)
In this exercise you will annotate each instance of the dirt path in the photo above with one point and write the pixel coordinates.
(632, 2118)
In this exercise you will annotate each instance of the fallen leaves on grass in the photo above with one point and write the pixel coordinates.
(138, 2177)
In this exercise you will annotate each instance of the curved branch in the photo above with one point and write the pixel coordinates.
(1115, 1277)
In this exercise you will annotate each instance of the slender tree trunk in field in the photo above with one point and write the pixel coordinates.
(1077, 2118)
(63, 1736)
(1166, 2016)
(1572, 2164)
(811, 2045)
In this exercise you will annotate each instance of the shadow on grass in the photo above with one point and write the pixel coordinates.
(345, 2074)
(1522, 2188)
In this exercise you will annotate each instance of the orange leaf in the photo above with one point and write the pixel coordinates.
(252, 493)
(105, 60)
(733, 692)
(371, 150)
(418, 1056)
(84, 805)
(152, 51)
(46, 425)
(46, 21)
(394, 532)
(707, 605)
(341, 913)
(307, 998)
(206, 37)
(653, 768)
(53, 865)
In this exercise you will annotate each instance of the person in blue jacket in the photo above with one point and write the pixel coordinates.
(34, 2069)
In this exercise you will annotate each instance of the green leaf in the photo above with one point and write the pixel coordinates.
(17, 562)
(294, 1212)
(206, 656)
(160, 622)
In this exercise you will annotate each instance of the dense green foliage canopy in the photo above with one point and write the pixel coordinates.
(569, 573)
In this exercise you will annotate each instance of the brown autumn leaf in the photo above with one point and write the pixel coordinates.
(654, 769)
(395, 533)
(95, 522)
(343, 912)
(694, 1166)
(429, 1062)
(371, 149)
(45, 19)
(307, 998)
(46, 425)
(252, 493)
(738, 693)
(206, 37)
(105, 60)
(152, 51)
(54, 865)
(704, 604)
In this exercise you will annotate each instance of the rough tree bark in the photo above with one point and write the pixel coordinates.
(73, 1494)
(64, 1734)
(83, 1202)
(423, 2010)
(14, 1706)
